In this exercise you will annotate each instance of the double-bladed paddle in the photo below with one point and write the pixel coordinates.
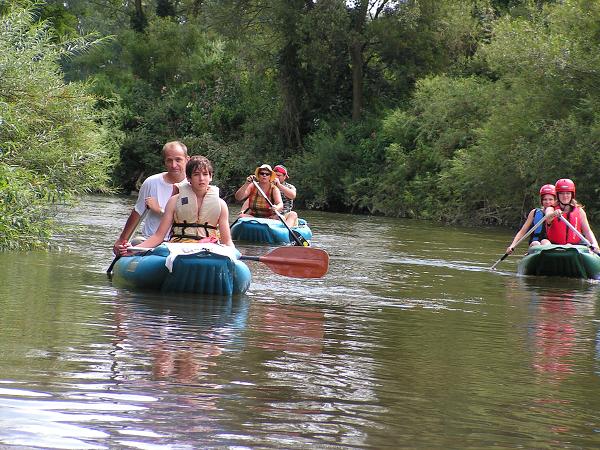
(297, 236)
(295, 262)
(533, 228)
(127, 238)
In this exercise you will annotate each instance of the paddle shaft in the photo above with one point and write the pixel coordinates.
(525, 236)
(297, 238)
(576, 231)
(127, 238)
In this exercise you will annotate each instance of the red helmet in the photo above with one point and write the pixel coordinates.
(565, 185)
(548, 189)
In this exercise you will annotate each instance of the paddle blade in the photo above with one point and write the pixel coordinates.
(297, 262)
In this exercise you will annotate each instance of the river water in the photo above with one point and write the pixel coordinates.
(409, 341)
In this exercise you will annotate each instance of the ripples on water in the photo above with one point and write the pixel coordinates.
(409, 341)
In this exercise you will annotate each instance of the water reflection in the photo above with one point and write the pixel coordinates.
(559, 312)
(292, 328)
(179, 338)
(555, 334)
(320, 380)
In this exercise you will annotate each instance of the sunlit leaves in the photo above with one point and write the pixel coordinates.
(53, 145)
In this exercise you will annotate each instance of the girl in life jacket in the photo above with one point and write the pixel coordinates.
(255, 204)
(196, 213)
(557, 230)
(548, 201)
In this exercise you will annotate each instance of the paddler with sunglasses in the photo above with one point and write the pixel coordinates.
(255, 204)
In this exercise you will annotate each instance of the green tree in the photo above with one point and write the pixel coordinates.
(543, 119)
(53, 145)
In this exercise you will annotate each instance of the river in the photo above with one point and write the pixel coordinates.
(409, 341)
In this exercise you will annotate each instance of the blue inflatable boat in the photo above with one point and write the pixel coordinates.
(270, 231)
(186, 267)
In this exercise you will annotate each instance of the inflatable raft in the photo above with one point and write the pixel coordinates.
(270, 231)
(193, 268)
(573, 261)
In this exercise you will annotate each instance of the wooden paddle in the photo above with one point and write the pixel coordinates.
(297, 236)
(127, 238)
(576, 231)
(518, 242)
(295, 262)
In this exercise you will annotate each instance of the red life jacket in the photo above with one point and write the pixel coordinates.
(558, 232)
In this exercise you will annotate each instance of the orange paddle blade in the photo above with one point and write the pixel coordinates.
(296, 262)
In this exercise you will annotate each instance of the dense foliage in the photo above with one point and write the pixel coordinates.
(52, 144)
(452, 110)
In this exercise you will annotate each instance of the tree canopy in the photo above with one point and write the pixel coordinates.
(453, 110)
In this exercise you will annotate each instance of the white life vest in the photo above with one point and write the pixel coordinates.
(188, 222)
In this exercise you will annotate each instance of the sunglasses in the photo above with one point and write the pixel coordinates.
(264, 174)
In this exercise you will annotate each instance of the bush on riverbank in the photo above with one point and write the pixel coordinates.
(52, 143)
(476, 148)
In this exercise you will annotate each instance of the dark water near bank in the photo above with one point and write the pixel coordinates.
(409, 342)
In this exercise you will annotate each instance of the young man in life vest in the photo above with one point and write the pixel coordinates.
(155, 191)
(288, 194)
(257, 205)
(196, 213)
(556, 230)
(548, 201)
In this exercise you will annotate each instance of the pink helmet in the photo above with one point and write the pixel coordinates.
(548, 189)
(565, 185)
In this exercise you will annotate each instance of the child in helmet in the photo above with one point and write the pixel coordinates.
(548, 202)
(557, 230)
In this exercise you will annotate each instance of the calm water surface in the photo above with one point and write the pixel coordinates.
(409, 342)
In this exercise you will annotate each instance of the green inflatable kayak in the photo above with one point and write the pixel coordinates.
(573, 261)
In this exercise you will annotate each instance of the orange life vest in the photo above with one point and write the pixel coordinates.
(258, 205)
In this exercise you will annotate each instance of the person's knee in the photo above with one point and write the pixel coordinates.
(291, 218)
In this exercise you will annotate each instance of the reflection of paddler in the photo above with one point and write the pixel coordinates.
(182, 364)
(555, 335)
(177, 341)
(291, 328)
(555, 341)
